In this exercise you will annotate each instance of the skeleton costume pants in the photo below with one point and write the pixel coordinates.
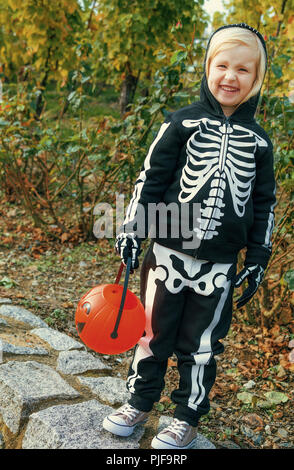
(188, 305)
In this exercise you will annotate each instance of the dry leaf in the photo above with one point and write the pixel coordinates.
(165, 399)
(279, 339)
(171, 363)
(234, 387)
(64, 237)
(291, 356)
(67, 305)
(19, 295)
(253, 420)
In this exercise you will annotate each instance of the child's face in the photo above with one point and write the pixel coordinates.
(231, 75)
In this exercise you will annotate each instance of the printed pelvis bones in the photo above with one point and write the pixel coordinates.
(224, 153)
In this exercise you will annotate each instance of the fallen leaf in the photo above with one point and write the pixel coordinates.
(159, 406)
(264, 404)
(64, 237)
(245, 397)
(7, 282)
(265, 374)
(275, 330)
(67, 304)
(165, 399)
(253, 420)
(279, 339)
(19, 295)
(281, 370)
(234, 387)
(276, 397)
(291, 356)
(171, 363)
(283, 433)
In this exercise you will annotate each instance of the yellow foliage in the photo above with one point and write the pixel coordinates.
(133, 34)
(290, 29)
(274, 19)
(14, 4)
(37, 31)
(70, 6)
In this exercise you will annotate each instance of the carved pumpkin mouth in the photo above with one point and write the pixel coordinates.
(80, 326)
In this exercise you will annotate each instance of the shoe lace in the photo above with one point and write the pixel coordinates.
(177, 427)
(129, 411)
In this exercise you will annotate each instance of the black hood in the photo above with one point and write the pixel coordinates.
(245, 111)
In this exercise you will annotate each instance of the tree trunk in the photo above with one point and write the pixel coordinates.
(39, 102)
(127, 92)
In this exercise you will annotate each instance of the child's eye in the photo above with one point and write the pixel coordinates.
(221, 66)
(243, 69)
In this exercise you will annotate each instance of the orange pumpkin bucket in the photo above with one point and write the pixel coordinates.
(109, 318)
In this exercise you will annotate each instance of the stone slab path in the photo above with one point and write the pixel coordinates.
(54, 393)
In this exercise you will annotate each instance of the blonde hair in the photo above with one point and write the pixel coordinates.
(231, 37)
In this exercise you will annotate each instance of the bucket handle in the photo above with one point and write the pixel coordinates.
(114, 334)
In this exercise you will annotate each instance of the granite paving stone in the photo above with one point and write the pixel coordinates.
(49, 412)
(9, 348)
(24, 385)
(77, 362)
(76, 426)
(109, 389)
(58, 341)
(21, 314)
(5, 300)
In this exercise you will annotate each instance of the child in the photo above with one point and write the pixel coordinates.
(214, 153)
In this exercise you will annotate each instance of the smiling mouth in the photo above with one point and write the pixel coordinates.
(229, 89)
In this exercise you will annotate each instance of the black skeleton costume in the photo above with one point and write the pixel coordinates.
(225, 164)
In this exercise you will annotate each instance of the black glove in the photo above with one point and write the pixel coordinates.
(128, 245)
(254, 274)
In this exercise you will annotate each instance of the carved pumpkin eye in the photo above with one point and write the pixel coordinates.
(87, 307)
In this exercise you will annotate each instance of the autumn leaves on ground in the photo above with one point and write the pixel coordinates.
(252, 400)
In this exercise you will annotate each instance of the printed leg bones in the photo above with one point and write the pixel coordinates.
(188, 305)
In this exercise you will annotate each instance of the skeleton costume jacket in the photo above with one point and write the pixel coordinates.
(223, 163)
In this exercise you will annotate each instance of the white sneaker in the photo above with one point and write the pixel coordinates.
(178, 435)
(124, 420)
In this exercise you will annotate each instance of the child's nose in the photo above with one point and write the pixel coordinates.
(230, 74)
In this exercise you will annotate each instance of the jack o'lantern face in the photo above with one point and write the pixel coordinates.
(101, 323)
(86, 308)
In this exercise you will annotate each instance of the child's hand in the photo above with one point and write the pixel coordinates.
(254, 274)
(128, 245)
